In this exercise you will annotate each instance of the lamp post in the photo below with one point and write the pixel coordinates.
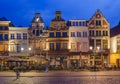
(94, 55)
(22, 49)
(29, 49)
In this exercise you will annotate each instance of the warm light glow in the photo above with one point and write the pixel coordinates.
(91, 48)
(29, 49)
(98, 48)
(22, 49)
(114, 50)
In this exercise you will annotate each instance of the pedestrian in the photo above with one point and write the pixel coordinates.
(17, 74)
(46, 70)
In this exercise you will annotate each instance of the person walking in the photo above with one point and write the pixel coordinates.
(46, 69)
(17, 74)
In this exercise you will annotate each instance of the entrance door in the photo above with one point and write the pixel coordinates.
(118, 62)
(74, 63)
(18, 48)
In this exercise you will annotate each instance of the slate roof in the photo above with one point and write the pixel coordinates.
(3, 19)
(115, 30)
(37, 15)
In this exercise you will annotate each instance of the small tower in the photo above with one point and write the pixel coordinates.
(37, 21)
(58, 22)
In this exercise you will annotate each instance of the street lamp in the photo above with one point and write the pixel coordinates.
(22, 49)
(29, 49)
(94, 55)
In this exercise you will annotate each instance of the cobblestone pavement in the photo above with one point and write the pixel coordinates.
(62, 80)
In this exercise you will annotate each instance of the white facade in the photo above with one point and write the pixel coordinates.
(78, 36)
(18, 41)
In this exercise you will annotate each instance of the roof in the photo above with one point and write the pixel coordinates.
(3, 19)
(37, 18)
(115, 30)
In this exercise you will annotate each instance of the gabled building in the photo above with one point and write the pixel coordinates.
(99, 39)
(58, 41)
(4, 36)
(37, 39)
(115, 46)
(78, 43)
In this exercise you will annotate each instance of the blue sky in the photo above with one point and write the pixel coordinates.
(21, 12)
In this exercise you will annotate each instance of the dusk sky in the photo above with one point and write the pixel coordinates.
(21, 12)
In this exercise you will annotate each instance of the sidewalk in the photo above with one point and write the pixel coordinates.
(60, 74)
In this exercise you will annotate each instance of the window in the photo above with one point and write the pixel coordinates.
(24, 35)
(96, 33)
(103, 33)
(76, 23)
(51, 34)
(84, 24)
(1, 37)
(5, 36)
(51, 46)
(73, 46)
(5, 28)
(58, 34)
(1, 28)
(98, 43)
(105, 44)
(57, 46)
(98, 22)
(18, 36)
(99, 33)
(78, 46)
(73, 24)
(64, 34)
(91, 42)
(37, 33)
(78, 34)
(91, 33)
(79, 23)
(40, 31)
(72, 34)
(64, 46)
(33, 31)
(106, 33)
(84, 34)
(12, 36)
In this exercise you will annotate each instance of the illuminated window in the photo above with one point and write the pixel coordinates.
(105, 44)
(98, 42)
(73, 46)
